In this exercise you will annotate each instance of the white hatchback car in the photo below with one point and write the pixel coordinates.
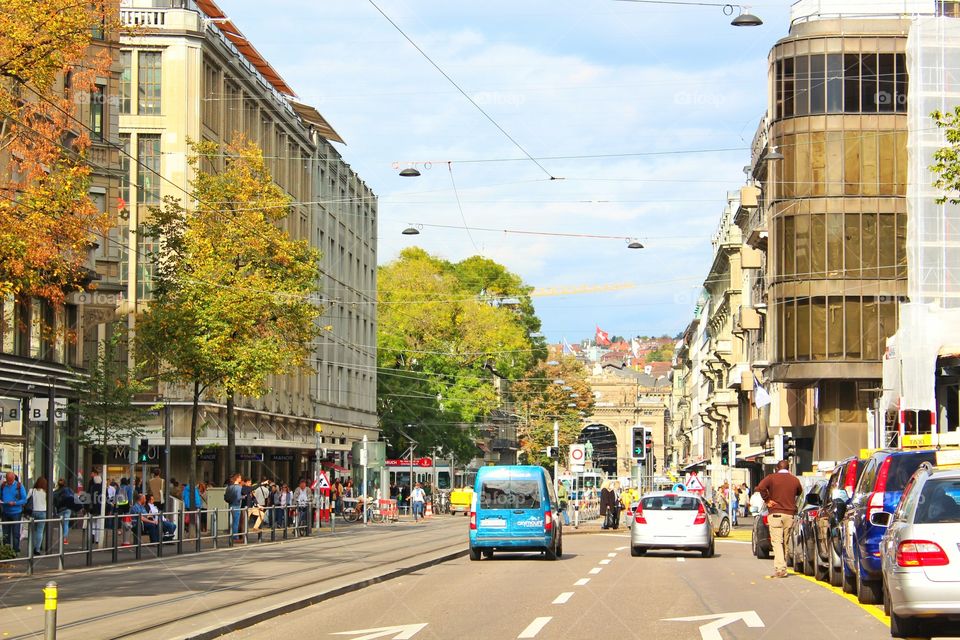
(921, 554)
(671, 520)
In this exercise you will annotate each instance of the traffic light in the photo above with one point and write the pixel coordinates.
(725, 453)
(553, 452)
(648, 443)
(789, 447)
(639, 443)
(142, 450)
(733, 453)
(778, 447)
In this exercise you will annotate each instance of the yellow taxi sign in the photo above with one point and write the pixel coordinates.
(918, 440)
(948, 457)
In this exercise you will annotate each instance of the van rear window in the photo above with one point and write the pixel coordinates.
(903, 466)
(510, 493)
(671, 503)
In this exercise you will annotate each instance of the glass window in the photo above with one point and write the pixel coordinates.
(818, 245)
(835, 328)
(868, 240)
(788, 87)
(868, 82)
(940, 502)
(834, 83)
(147, 246)
(789, 330)
(148, 169)
(871, 338)
(778, 87)
(886, 77)
(148, 83)
(887, 239)
(818, 328)
(36, 329)
(96, 111)
(509, 493)
(789, 245)
(126, 85)
(902, 82)
(802, 245)
(670, 502)
(851, 83)
(802, 83)
(851, 245)
(888, 320)
(125, 169)
(903, 466)
(852, 328)
(818, 87)
(803, 330)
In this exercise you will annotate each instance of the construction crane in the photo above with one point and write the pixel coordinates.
(541, 292)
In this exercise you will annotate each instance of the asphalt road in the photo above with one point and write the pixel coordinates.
(597, 590)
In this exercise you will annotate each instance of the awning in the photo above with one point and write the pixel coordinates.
(754, 454)
(311, 116)
(698, 463)
(333, 465)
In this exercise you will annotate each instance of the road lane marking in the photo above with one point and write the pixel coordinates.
(534, 627)
(595, 570)
(563, 597)
(611, 555)
(875, 610)
(711, 631)
(622, 548)
(681, 559)
(605, 561)
(581, 582)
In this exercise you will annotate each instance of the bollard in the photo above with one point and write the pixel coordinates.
(50, 611)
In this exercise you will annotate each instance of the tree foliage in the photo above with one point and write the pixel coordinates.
(47, 69)
(946, 164)
(443, 333)
(539, 400)
(235, 295)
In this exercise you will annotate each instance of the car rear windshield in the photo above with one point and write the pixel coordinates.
(903, 466)
(939, 502)
(670, 503)
(510, 493)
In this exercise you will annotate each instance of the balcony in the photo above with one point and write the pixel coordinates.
(756, 232)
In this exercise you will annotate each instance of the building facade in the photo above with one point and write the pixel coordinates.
(190, 75)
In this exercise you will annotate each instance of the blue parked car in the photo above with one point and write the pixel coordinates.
(885, 474)
(515, 508)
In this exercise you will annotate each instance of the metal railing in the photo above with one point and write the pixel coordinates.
(174, 532)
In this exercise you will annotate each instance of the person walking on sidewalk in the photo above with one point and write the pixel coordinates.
(64, 502)
(233, 496)
(156, 486)
(419, 500)
(14, 496)
(302, 497)
(38, 507)
(563, 497)
(780, 491)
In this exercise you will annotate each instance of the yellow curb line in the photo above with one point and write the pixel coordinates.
(875, 610)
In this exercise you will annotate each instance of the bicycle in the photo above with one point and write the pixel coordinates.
(443, 503)
(355, 512)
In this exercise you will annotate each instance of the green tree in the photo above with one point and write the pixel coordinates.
(443, 335)
(946, 164)
(106, 411)
(540, 399)
(235, 299)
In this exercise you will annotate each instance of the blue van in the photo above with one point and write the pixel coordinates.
(515, 508)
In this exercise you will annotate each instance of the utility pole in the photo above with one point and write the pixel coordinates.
(363, 490)
(556, 452)
(167, 427)
(316, 474)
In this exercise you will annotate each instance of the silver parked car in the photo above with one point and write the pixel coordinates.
(671, 520)
(920, 553)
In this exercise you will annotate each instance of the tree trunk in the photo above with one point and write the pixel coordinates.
(194, 416)
(231, 434)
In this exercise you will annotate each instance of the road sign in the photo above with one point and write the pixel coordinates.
(401, 632)
(694, 484)
(578, 455)
(323, 482)
(711, 631)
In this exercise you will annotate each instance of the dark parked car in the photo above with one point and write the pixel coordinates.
(760, 542)
(885, 474)
(801, 533)
(827, 541)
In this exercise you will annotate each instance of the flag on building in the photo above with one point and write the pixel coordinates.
(635, 347)
(567, 349)
(603, 338)
(760, 396)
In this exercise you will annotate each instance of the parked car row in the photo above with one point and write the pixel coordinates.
(887, 529)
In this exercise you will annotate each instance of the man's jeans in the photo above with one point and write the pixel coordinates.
(235, 521)
(418, 510)
(11, 532)
(780, 524)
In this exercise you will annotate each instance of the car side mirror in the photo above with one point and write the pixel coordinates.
(840, 507)
(881, 518)
(813, 499)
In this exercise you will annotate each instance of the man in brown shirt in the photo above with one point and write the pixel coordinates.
(779, 491)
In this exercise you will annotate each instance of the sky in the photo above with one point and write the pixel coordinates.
(563, 78)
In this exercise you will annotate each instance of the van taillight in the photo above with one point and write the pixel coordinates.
(850, 478)
(473, 520)
(875, 502)
(701, 515)
(921, 553)
(638, 514)
(547, 521)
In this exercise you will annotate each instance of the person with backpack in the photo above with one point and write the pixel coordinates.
(14, 497)
(233, 496)
(64, 501)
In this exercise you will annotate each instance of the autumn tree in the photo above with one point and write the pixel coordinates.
(106, 412)
(444, 334)
(47, 68)
(946, 166)
(556, 390)
(235, 299)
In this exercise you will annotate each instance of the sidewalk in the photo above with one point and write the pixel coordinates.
(201, 596)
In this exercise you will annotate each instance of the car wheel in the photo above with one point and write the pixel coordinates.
(798, 561)
(551, 552)
(809, 558)
(474, 554)
(835, 570)
(886, 601)
(906, 627)
(820, 570)
(708, 552)
(847, 582)
(869, 591)
(636, 552)
(560, 547)
(724, 528)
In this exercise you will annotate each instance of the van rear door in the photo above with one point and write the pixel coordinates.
(510, 505)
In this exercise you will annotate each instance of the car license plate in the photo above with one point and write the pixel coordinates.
(493, 523)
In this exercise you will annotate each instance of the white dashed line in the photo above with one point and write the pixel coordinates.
(622, 548)
(563, 597)
(681, 559)
(535, 627)
(611, 555)
(581, 582)
(595, 570)
(605, 561)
